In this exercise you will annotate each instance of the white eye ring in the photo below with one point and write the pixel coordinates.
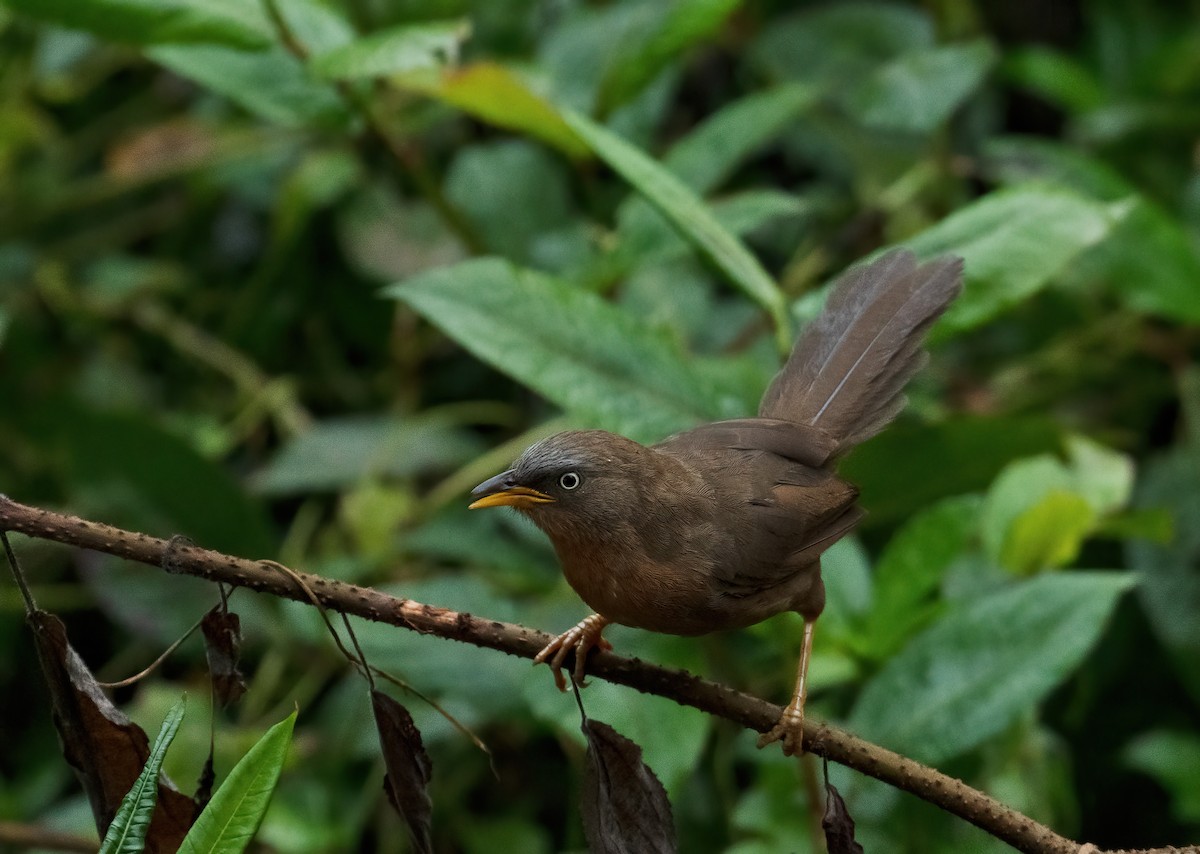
(570, 480)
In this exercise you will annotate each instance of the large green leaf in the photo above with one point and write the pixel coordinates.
(594, 360)
(127, 833)
(920, 90)
(1014, 242)
(147, 22)
(394, 51)
(688, 213)
(985, 663)
(233, 815)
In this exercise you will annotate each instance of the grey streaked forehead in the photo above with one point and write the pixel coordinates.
(552, 454)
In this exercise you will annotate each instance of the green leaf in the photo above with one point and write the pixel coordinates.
(638, 61)
(1050, 533)
(272, 84)
(982, 665)
(127, 833)
(1057, 78)
(1039, 510)
(596, 361)
(688, 213)
(919, 91)
(706, 157)
(233, 815)
(395, 51)
(1014, 242)
(146, 22)
(911, 568)
(340, 452)
(496, 95)
(1171, 758)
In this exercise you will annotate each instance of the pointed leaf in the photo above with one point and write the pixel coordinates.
(233, 815)
(983, 664)
(1013, 242)
(395, 51)
(594, 360)
(408, 768)
(129, 830)
(687, 212)
(496, 95)
(625, 807)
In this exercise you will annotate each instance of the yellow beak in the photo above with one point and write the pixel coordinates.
(500, 491)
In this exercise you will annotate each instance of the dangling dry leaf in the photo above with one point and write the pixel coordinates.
(838, 825)
(408, 768)
(223, 647)
(625, 807)
(104, 748)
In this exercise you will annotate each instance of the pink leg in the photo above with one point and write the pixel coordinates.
(582, 638)
(790, 728)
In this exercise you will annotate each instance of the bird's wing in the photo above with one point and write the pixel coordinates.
(776, 505)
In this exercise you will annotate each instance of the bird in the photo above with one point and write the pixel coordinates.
(723, 526)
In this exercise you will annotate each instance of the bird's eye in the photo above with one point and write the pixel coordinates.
(569, 480)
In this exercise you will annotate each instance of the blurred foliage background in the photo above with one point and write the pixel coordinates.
(290, 279)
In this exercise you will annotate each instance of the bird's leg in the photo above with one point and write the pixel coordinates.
(582, 638)
(791, 724)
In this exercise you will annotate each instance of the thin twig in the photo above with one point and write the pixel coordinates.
(821, 739)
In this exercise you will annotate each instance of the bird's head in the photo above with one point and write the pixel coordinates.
(570, 482)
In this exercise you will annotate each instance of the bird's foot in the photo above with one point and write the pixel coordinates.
(789, 730)
(582, 638)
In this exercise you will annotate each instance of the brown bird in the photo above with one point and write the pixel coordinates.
(723, 526)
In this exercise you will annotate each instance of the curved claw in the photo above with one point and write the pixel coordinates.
(581, 639)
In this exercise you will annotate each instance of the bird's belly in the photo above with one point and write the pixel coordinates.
(645, 596)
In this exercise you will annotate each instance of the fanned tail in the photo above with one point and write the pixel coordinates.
(846, 374)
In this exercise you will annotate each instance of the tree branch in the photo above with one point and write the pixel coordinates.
(821, 739)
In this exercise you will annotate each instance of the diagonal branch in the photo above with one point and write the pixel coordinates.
(821, 739)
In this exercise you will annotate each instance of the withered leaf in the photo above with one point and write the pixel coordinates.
(408, 768)
(625, 807)
(104, 748)
(838, 825)
(223, 647)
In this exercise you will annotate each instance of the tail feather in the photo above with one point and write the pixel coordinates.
(847, 373)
